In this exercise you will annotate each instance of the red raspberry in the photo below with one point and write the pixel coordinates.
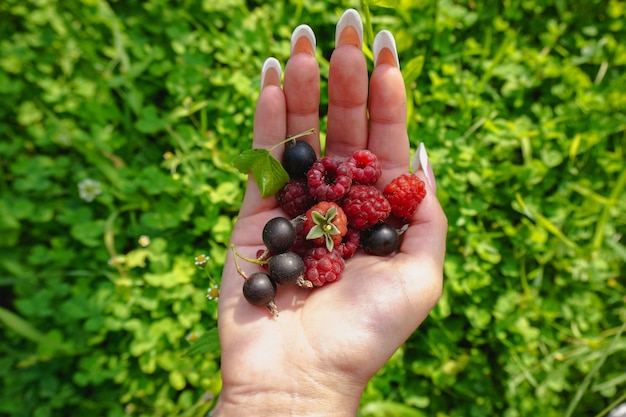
(365, 205)
(329, 178)
(294, 198)
(302, 244)
(366, 168)
(324, 228)
(322, 266)
(405, 193)
(349, 244)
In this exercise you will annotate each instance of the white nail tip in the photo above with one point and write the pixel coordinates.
(269, 63)
(420, 162)
(384, 39)
(350, 18)
(302, 30)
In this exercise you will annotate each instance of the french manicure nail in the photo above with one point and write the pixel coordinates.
(303, 40)
(267, 77)
(385, 51)
(420, 162)
(349, 29)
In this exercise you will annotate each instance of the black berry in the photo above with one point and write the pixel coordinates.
(279, 234)
(382, 239)
(259, 290)
(298, 158)
(286, 268)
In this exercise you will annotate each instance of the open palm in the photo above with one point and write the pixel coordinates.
(317, 356)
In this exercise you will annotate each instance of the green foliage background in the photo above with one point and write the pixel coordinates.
(521, 104)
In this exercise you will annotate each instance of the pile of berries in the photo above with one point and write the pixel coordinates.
(332, 208)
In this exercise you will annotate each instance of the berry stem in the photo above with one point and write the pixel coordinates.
(235, 255)
(294, 137)
(303, 282)
(261, 260)
(271, 306)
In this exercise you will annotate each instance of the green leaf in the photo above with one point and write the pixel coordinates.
(268, 172)
(388, 4)
(150, 121)
(24, 328)
(247, 160)
(412, 69)
(177, 380)
(389, 409)
(209, 342)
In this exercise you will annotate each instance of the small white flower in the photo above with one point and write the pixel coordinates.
(144, 240)
(64, 139)
(213, 293)
(201, 260)
(89, 189)
(192, 337)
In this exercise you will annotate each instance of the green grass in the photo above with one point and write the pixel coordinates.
(521, 105)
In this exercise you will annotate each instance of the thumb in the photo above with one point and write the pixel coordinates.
(429, 226)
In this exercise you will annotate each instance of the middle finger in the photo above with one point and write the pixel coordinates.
(347, 89)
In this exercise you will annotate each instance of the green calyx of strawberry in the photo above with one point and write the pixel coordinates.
(324, 227)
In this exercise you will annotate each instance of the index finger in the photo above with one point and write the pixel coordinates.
(269, 128)
(302, 86)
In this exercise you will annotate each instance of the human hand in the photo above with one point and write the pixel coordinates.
(318, 355)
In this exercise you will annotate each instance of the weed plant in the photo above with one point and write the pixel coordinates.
(118, 124)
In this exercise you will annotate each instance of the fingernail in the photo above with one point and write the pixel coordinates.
(303, 40)
(270, 73)
(420, 162)
(349, 29)
(385, 51)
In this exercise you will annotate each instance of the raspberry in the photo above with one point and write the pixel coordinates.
(405, 193)
(322, 266)
(349, 244)
(294, 198)
(329, 178)
(325, 224)
(365, 206)
(366, 168)
(302, 244)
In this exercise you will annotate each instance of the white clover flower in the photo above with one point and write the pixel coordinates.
(201, 260)
(130, 408)
(89, 189)
(64, 139)
(144, 240)
(213, 293)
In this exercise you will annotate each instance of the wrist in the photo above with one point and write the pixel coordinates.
(337, 399)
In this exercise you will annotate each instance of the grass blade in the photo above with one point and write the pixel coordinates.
(585, 384)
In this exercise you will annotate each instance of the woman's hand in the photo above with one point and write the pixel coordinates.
(318, 355)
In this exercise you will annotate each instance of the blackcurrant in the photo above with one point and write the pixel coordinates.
(259, 290)
(381, 239)
(298, 158)
(279, 234)
(286, 268)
